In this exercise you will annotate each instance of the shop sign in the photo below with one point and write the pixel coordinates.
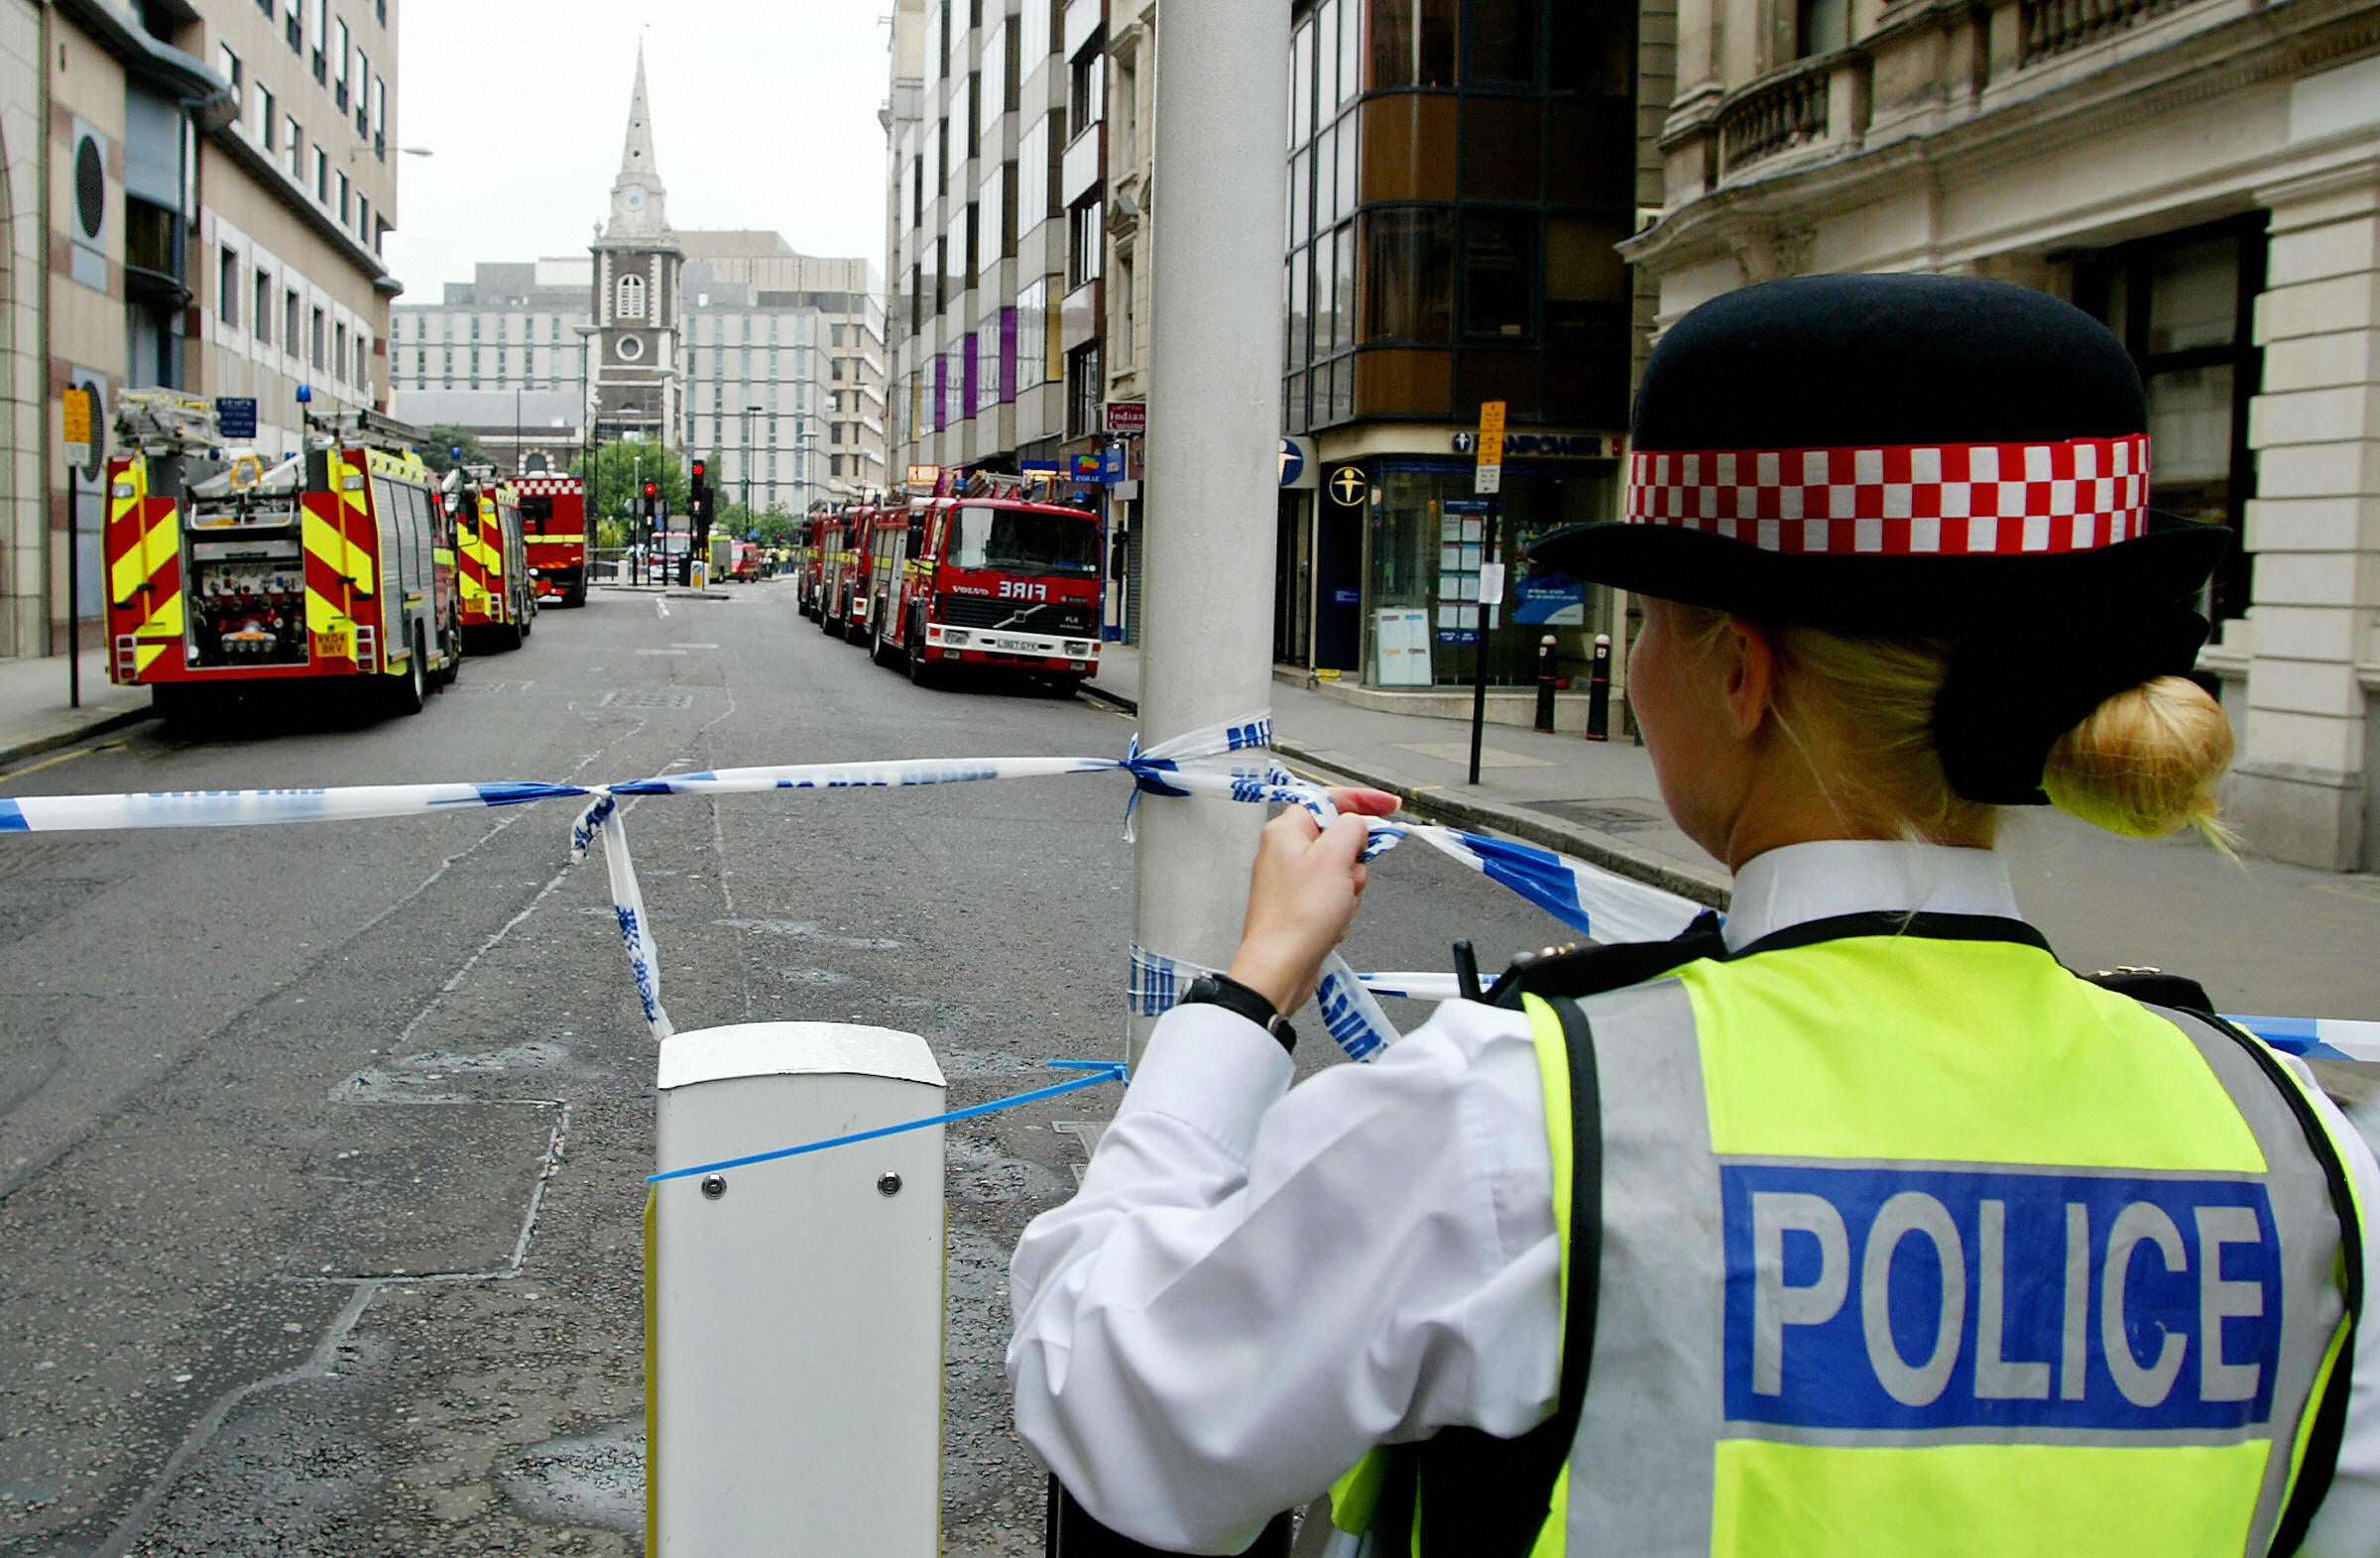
(1083, 467)
(1127, 416)
(1299, 473)
(1348, 485)
(925, 475)
(1543, 445)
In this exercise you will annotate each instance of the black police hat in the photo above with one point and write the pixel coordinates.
(1914, 456)
(1901, 455)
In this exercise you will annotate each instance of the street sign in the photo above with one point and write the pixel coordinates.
(1491, 584)
(235, 417)
(1128, 417)
(1491, 474)
(1348, 485)
(78, 427)
(925, 475)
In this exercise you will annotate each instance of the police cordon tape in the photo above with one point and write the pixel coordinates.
(1590, 900)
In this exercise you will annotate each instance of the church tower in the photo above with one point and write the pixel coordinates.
(639, 381)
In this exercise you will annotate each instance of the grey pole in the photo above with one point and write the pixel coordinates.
(1213, 442)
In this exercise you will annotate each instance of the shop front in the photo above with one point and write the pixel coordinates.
(1426, 539)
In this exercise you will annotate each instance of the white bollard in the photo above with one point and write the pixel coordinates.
(794, 1308)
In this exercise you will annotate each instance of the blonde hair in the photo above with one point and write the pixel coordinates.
(2144, 764)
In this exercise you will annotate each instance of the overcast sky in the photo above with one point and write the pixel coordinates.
(763, 115)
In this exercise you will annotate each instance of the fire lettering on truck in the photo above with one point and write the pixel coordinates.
(1022, 589)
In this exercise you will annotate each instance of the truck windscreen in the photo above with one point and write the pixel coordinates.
(1024, 541)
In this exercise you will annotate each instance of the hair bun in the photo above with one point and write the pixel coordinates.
(2145, 762)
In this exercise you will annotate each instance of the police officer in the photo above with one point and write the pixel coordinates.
(1855, 1224)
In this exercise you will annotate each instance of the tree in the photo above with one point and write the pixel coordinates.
(616, 474)
(437, 440)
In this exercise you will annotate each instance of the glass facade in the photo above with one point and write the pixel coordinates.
(1460, 172)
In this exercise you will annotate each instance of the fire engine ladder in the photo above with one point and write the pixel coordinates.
(160, 422)
(367, 429)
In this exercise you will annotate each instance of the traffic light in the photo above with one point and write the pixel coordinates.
(653, 500)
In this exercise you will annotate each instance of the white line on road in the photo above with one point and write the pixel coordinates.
(660, 605)
(660, 652)
(693, 645)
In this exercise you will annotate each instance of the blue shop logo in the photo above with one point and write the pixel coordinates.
(1918, 1299)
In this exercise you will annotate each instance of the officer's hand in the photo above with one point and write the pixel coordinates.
(1303, 896)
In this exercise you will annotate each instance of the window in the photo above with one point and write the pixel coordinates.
(291, 342)
(338, 360)
(228, 65)
(632, 297)
(1499, 272)
(320, 357)
(1503, 39)
(1128, 106)
(1087, 88)
(317, 33)
(1086, 235)
(379, 118)
(1086, 389)
(1127, 330)
(227, 289)
(2182, 303)
(1408, 274)
(345, 205)
(363, 365)
(338, 92)
(1033, 179)
(259, 317)
(1821, 27)
(291, 146)
(363, 215)
(268, 122)
(321, 176)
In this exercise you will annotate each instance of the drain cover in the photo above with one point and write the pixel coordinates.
(1608, 816)
(647, 698)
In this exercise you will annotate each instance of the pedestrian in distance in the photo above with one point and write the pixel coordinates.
(1853, 1224)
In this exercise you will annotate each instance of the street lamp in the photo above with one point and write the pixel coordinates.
(748, 410)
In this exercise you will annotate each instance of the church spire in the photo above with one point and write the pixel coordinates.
(637, 193)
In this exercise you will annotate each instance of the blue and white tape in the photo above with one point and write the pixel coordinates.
(1229, 761)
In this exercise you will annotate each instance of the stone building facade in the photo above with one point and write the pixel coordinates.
(2204, 175)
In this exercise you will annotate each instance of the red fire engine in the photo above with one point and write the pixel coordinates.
(499, 603)
(835, 560)
(554, 523)
(225, 573)
(986, 581)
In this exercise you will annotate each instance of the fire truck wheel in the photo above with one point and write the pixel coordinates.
(406, 693)
(450, 639)
(924, 672)
(576, 596)
(879, 652)
(828, 623)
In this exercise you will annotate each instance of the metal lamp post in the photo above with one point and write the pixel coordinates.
(748, 414)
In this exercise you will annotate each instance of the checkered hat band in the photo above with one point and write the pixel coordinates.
(1953, 500)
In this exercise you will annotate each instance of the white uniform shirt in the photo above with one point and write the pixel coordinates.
(1256, 1285)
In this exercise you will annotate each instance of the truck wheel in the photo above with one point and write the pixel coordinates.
(406, 693)
(450, 639)
(576, 595)
(879, 652)
(924, 672)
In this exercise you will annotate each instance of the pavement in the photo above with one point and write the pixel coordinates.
(38, 714)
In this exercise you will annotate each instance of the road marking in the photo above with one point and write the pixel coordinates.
(63, 757)
(693, 645)
(660, 652)
(660, 605)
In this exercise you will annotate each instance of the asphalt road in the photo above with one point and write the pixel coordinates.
(322, 1146)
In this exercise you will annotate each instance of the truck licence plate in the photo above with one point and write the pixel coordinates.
(333, 645)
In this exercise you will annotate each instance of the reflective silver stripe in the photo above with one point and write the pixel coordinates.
(2312, 1305)
(1641, 1462)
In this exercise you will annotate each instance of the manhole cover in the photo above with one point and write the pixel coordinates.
(1604, 815)
(645, 698)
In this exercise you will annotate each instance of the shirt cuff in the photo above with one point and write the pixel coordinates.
(1211, 1069)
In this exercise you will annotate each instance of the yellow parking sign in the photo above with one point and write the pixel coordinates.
(77, 427)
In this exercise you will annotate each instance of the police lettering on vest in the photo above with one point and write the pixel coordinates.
(1907, 1299)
